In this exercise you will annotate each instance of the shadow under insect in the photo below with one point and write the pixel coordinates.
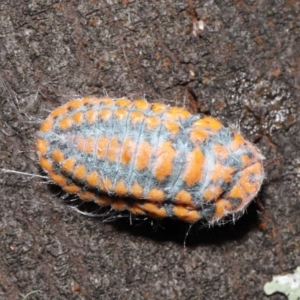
(163, 230)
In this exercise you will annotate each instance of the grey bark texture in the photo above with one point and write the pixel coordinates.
(236, 60)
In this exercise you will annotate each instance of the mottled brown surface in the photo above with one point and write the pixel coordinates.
(243, 66)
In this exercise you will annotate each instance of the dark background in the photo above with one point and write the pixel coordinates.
(242, 65)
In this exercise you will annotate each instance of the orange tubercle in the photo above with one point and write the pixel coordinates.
(220, 151)
(103, 200)
(113, 149)
(93, 179)
(137, 190)
(182, 213)
(123, 102)
(141, 104)
(208, 123)
(171, 126)
(86, 196)
(58, 179)
(223, 207)
(158, 108)
(68, 165)
(154, 211)
(152, 122)
(105, 114)
(46, 164)
(78, 118)
(80, 172)
(193, 171)
(74, 104)
(128, 148)
(47, 125)
(156, 195)
(121, 114)
(62, 110)
(91, 116)
(90, 145)
(184, 198)
(65, 123)
(212, 192)
(119, 205)
(136, 117)
(72, 189)
(237, 142)
(41, 146)
(102, 147)
(177, 113)
(120, 188)
(136, 209)
(220, 172)
(163, 165)
(57, 155)
(143, 154)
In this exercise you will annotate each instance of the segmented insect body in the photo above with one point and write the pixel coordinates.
(155, 160)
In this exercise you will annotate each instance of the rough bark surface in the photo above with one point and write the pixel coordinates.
(238, 60)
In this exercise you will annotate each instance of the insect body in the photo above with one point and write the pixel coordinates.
(153, 159)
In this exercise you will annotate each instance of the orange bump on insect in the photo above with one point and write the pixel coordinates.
(58, 179)
(143, 154)
(47, 125)
(80, 172)
(46, 164)
(105, 114)
(150, 159)
(158, 108)
(137, 190)
(60, 111)
(172, 126)
(177, 113)
(72, 189)
(208, 123)
(78, 118)
(136, 117)
(223, 207)
(141, 104)
(119, 205)
(65, 123)
(152, 122)
(102, 147)
(121, 114)
(193, 170)
(123, 103)
(154, 211)
(198, 136)
(68, 165)
(121, 188)
(156, 195)
(74, 104)
(86, 196)
(182, 213)
(163, 157)
(57, 155)
(93, 179)
(103, 200)
(127, 152)
(41, 146)
(113, 149)
(91, 116)
(184, 198)
(136, 210)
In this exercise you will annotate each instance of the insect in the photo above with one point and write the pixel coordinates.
(150, 159)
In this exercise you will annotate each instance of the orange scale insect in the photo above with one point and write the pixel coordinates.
(154, 160)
